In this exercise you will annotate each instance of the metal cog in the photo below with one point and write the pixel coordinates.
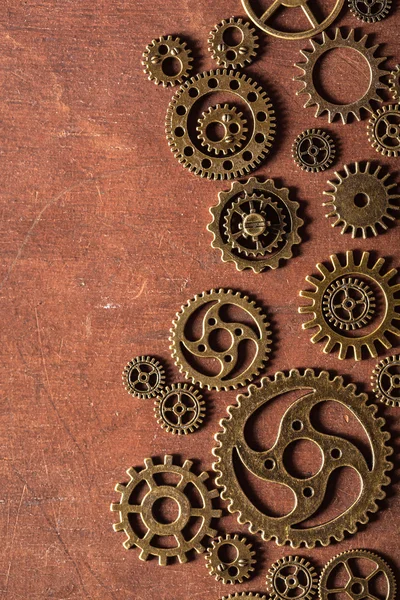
(186, 147)
(318, 50)
(282, 232)
(156, 492)
(384, 130)
(356, 587)
(238, 569)
(314, 150)
(370, 11)
(389, 313)
(394, 83)
(162, 49)
(361, 200)
(349, 304)
(337, 451)
(244, 596)
(229, 361)
(144, 377)
(233, 123)
(292, 577)
(236, 55)
(386, 380)
(180, 409)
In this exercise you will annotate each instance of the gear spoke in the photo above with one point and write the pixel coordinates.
(270, 11)
(310, 15)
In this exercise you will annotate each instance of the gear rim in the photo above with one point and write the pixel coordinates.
(300, 565)
(180, 409)
(226, 116)
(153, 60)
(392, 130)
(380, 372)
(328, 146)
(368, 17)
(240, 54)
(394, 83)
(242, 564)
(143, 378)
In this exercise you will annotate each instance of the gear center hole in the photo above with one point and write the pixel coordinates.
(166, 511)
(232, 36)
(220, 340)
(216, 131)
(357, 588)
(171, 66)
(302, 459)
(228, 554)
(361, 200)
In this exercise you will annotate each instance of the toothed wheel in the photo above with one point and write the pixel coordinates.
(394, 83)
(144, 377)
(384, 130)
(233, 126)
(235, 570)
(313, 150)
(292, 578)
(370, 11)
(386, 380)
(230, 53)
(160, 58)
(180, 409)
(349, 304)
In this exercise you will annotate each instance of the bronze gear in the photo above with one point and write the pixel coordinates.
(187, 147)
(229, 361)
(291, 578)
(386, 380)
(234, 126)
(157, 492)
(314, 150)
(375, 196)
(236, 55)
(384, 130)
(236, 570)
(180, 409)
(367, 274)
(144, 377)
(268, 465)
(163, 49)
(356, 587)
(312, 57)
(269, 240)
(316, 26)
(370, 11)
(348, 304)
(244, 596)
(394, 83)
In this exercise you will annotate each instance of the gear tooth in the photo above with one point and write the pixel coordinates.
(132, 473)
(120, 488)
(115, 506)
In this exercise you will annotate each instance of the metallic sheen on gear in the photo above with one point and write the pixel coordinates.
(233, 126)
(384, 130)
(230, 54)
(144, 377)
(180, 409)
(314, 150)
(236, 570)
(349, 304)
(370, 11)
(292, 578)
(165, 50)
(394, 83)
(386, 381)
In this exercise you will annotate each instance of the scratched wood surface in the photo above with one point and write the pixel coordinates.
(103, 237)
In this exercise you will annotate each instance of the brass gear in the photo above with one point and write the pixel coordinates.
(180, 409)
(161, 50)
(394, 83)
(186, 147)
(348, 304)
(229, 361)
(384, 130)
(314, 150)
(337, 452)
(236, 55)
(291, 578)
(234, 126)
(283, 230)
(144, 377)
(244, 596)
(356, 587)
(375, 195)
(386, 380)
(313, 56)
(370, 11)
(236, 570)
(363, 271)
(157, 492)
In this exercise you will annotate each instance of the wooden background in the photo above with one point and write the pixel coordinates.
(103, 237)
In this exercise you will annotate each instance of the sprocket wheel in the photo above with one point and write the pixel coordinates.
(161, 51)
(180, 409)
(349, 303)
(233, 125)
(231, 54)
(370, 11)
(384, 130)
(144, 377)
(292, 578)
(233, 571)
(314, 150)
(386, 380)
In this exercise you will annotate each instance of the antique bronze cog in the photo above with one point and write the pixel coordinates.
(384, 130)
(229, 54)
(269, 465)
(180, 409)
(144, 377)
(162, 51)
(292, 578)
(349, 303)
(386, 380)
(370, 11)
(233, 124)
(314, 150)
(394, 83)
(233, 571)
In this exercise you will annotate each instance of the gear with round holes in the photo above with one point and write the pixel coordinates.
(384, 130)
(370, 11)
(234, 454)
(361, 200)
(292, 577)
(144, 510)
(244, 596)
(229, 54)
(314, 150)
(394, 83)
(313, 57)
(356, 586)
(386, 381)
(185, 143)
(349, 304)
(233, 126)
(180, 409)
(159, 53)
(383, 323)
(234, 369)
(144, 377)
(236, 570)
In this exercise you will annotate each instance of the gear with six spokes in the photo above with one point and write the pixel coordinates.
(386, 380)
(160, 53)
(180, 409)
(232, 54)
(292, 578)
(230, 571)
(370, 11)
(394, 83)
(314, 150)
(144, 377)
(349, 304)
(233, 126)
(384, 130)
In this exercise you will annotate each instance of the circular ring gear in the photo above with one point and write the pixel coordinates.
(180, 409)
(237, 570)
(255, 240)
(384, 130)
(156, 492)
(233, 125)
(370, 11)
(307, 78)
(385, 320)
(244, 596)
(357, 587)
(268, 465)
(144, 377)
(161, 51)
(232, 55)
(386, 381)
(292, 577)
(314, 150)
(316, 26)
(234, 372)
(349, 304)
(394, 83)
(187, 148)
(361, 200)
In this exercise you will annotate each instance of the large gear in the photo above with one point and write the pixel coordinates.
(394, 83)
(386, 380)
(186, 145)
(233, 452)
(233, 126)
(144, 510)
(319, 50)
(255, 225)
(231, 571)
(384, 130)
(233, 371)
(361, 200)
(314, 150)
(162, 51)
(370, 11)
(349, 304)
(180, 409)
(383, 323)
(292, 578)
(231, 54)
(144, 377)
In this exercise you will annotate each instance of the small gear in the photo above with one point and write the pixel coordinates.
(292, 578)
(361, 200)
(233, 129)
(320, 49)
(180, 409)
(349, 303)
(144, 510)
(144, 377)
(394, 83)
(231, 54)
(384, 130)
(244, 596)
(354, 586)
(234, 571)
(314, 150)
(160, 53)
(370, 11)
(386, 380)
